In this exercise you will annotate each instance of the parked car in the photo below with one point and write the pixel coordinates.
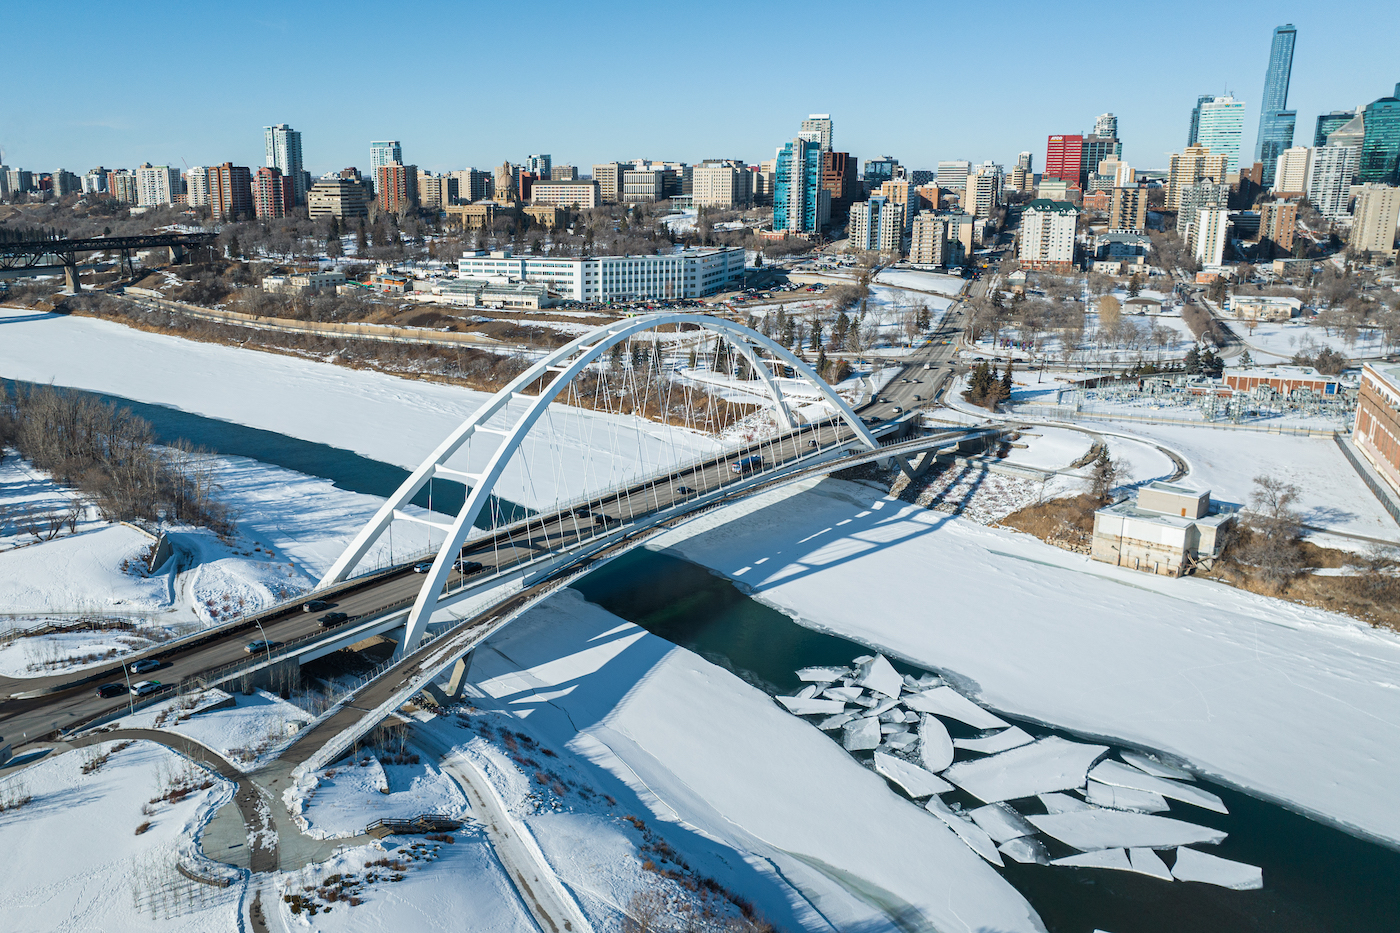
(315, 605)
(253, 647)
(331, 619)
(423, 566)
(144, 665)
(465, 567)
(143, 687)
(111, 690)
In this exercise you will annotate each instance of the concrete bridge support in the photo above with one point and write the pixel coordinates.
(71, 283)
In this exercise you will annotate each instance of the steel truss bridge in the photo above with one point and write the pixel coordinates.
(444, 613)
(44, 257)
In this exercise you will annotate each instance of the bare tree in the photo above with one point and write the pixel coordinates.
(1275, 531)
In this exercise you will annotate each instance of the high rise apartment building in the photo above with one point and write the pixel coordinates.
(1330, 174)
(1374, 219)
(800, 203)
(433, 190)
(578, 194)
(1211, 226)
(381, 153)
(94, 182)
(876, 225)
(396, 187)
(929, 244)
(283, 145)
(608, 175)
(1193, 134)
(1291, 171)
(273, 193)
(643, 185)
(840, 180)
(339, 196)
(66, 183)
(1048, 231)
(819, 123)
(1189, 167)
(1106, 125)
(1096, 149)
(1221, 127)
(230, 192)
(952, 173)
(983, 193)
(563, 173)
(1064, 158)
(121, 186)
(1203, 194)
(472, 185)
(1278, 223)
(197, 186)
(541, 165)
(1128, 209)
(1380, 146)
(1276, 121)
(880, 170)
(157, 184)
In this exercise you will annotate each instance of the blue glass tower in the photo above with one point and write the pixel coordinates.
(1380, 150)
(798, 194)
(1276, 121)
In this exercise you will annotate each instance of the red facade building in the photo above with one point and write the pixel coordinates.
(230, 191)
(1064, 156)
(272, 193)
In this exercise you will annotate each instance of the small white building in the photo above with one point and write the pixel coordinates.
(1167, 530)
(1265, 307)
(691, 273)
(303, 282)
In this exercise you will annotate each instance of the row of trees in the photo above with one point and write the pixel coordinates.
(109, 454)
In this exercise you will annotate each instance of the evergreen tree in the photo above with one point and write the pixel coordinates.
(1246, 360)
(1006, 382)
(1193, 361)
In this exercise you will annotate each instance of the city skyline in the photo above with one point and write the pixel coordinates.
(690, 121)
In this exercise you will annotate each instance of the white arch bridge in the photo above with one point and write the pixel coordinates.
(577, 525)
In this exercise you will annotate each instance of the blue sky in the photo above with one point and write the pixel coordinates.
(473, 84)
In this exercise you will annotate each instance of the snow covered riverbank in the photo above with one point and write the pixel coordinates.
(1288, 702)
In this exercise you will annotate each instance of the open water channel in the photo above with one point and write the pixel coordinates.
(1317, 879)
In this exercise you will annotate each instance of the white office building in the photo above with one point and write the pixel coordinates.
(383, 152)
(1221, 127)
(691, 273)
(1291, 171)
(953, 173)
(820, 124)
(157, 184)
(197, 186)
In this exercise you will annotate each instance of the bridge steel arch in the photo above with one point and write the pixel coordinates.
(568, 362)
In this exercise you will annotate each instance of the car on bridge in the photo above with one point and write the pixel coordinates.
(684, 490)
(262, 644)
(107, 691)
(582, 511)
(144, 687)
(423, 566)
(144, 665)
(747, 464)
(332, 619)
(600, 519)
(315, 605)
(465, 567)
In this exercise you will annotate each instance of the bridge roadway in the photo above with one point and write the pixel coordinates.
(65, 704)
(24, 719)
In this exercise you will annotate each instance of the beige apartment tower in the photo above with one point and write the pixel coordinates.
(1374, 219)
(1128, 210)
(1197, 163)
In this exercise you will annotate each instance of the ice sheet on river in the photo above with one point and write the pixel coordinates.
(1002, 741)
(945, 701)
(1115, 859)
(935, 746)
(1001, 822)
(861, 734)
(1106, 829)
(975, 836)
(1156, 768)
(1046, 765)
(1212, 869)
(916, 781)
(800, 706)
(823, 675)
(1125, 798)
(1115, 772)
(879, 675)
(1148, 862)
(1025, 850)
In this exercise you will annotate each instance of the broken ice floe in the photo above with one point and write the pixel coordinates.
(1212, 869)
(880, 676)
(807, 692)
(1125, 798)
(861, 734)
(1025, 850)
(1156, 768)
(1062, 803)
(975, 836)
(799, 706)
(1148, 862)
(1119, 774)
(849, 694)
(1046, 765)
(1002, 741)
(900, 740)
(823, 674)
(836, 722)
(917, 782)
(935, 745)
(945, 701)
(1115, 859)
(1106, 829)
(1001, 822)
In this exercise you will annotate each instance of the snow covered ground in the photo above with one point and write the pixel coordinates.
(947, 285)
(77, 858)
(30, 498)
(1331, 495)
(383, 417)
(1291, 703)
(358, 791)
(1271, 342)
(244, 734)
(714, 758)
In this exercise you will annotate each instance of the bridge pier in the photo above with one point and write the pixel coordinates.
(177, 254)
(72, 284)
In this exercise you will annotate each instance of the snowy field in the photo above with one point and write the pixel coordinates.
(1331, 495)
(360, 790)
(243, 734)
(1145, 336)
(76, 857)
(948, 286)
(1274, 342)
(712, 757)
(1288, 702)
(383, 417)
